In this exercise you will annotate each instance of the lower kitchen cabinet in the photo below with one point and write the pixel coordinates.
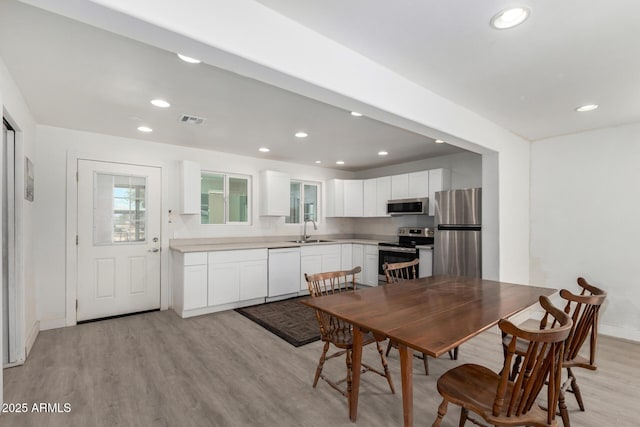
(318, 259)
(189, 280)
(370, 269)
(426, 262)
(237, 276)
(358, 260)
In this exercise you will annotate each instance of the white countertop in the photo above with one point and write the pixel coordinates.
(206, 246)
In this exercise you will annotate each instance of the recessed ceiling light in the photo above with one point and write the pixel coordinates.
(145, 129)
(585, 108)
(382, 153)
(160, 103)
(340, 162)
(509, 18)
(356, 114)
(188, 59)
(439, 141)
(317, 162)
(301, 135)
(264, 149)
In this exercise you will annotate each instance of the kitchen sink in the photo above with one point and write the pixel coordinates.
(310, 241)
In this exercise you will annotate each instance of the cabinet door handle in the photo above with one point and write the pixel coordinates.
(154, 250)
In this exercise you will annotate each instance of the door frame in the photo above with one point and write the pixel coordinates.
(71, 273)
(16, 245)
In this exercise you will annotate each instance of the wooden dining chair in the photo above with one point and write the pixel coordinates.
(583, 309)
(500, 400)
(398, 272)
(338, 332)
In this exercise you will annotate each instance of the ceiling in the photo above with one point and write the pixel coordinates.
(76, 76)
(528, 79)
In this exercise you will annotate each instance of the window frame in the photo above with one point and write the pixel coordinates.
(225, 196)
(302, 183)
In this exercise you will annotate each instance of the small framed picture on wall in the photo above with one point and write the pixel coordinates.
(28, 179)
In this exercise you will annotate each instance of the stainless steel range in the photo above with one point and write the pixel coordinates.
(405, 249)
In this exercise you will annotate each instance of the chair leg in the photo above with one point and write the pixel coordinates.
(464, 414)
(385, 366)
(425, 360)
(389, 347)
(321, 363)
(453, 354)
(564, 413)
(442, 410)
(576, 389)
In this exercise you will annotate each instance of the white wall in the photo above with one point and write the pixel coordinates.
(51, 200)
(585, 210)
(16, 110)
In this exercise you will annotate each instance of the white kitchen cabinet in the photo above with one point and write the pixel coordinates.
(189, 187)
(274, 193)
(346, 256)
(419, 184)
(189, 280)
(318, 259)
(383, 195)
(439, 180)
(237, 275)
(353, 197)
(370, 269)
(334, 198)
(369, 198)
(358, 260)
(400, 186)
(377, 191)
(426, 262)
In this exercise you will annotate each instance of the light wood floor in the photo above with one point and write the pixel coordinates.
(224, 370)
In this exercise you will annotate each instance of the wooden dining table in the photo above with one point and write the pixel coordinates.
(431, 315)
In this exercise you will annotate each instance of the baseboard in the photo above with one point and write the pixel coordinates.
(45, 325)
(31, 338)
(618, 332)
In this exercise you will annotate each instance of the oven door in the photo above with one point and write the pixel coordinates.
(391, 257)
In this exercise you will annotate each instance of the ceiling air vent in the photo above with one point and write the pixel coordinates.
(186, 118)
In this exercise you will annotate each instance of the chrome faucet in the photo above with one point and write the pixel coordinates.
(315, 227)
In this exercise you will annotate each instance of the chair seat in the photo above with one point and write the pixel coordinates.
(474, 387)
(343, 338)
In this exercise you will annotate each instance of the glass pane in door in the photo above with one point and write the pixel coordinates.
(119, 209)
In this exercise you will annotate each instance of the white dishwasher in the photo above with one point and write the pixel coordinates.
(284, 273)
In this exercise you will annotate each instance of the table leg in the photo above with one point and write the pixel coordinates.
(406, 374)
(355, 369)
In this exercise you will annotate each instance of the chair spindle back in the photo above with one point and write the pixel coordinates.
(400, 271)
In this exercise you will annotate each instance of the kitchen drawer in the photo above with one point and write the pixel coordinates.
(195, 258)
(238, 255)
(370, 249)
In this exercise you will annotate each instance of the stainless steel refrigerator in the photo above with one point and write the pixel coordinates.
(458, 244)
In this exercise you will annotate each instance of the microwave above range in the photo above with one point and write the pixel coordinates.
(419, 206)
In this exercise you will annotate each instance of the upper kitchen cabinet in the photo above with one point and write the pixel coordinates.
(410, 185)
(334, 197)
(274, 193)
(439, 180)
(400, 186)
(190, 188)
(419, 184)
(377, 191)
(353, 195)
(344, 197)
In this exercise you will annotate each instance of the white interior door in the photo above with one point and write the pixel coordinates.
(118, 239)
